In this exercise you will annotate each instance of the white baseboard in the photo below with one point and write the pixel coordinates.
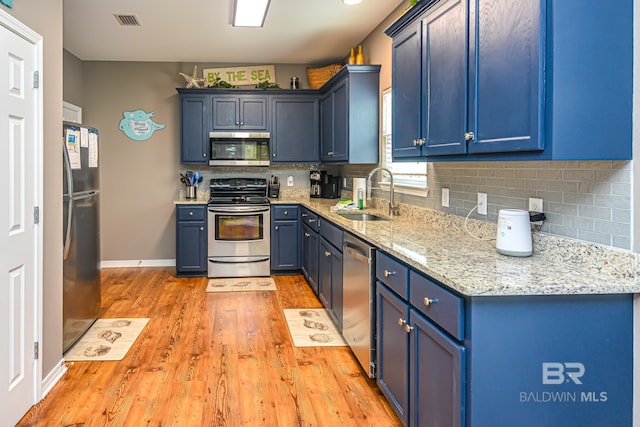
(139, 263)
(52, 378)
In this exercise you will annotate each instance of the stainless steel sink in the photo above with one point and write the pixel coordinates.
(362, 216)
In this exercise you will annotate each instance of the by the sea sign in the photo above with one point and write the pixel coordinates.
(240, 76)
(138, 125)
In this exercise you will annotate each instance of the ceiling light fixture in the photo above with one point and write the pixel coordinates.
(250, 13)
(351, 2)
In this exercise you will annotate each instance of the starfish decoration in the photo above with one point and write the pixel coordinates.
(192, 80)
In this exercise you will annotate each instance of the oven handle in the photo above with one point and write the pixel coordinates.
(236, 260)
(239, 209)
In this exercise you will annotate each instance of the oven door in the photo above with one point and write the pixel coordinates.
(239, 242)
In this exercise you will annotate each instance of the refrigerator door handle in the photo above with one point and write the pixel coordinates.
(67, 238)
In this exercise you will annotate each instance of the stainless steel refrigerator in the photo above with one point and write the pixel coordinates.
(81, 266)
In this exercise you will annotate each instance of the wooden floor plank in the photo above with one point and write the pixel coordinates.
(211, 359)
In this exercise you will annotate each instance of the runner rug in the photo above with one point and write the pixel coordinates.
(107, 339)
(312, 327)
(241, 284)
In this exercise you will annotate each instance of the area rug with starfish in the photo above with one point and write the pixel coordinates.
(312, 327)
(241, 284)
(107, 339)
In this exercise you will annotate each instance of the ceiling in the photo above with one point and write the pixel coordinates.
(295, 31)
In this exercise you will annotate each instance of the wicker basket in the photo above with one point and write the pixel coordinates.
(319, 76)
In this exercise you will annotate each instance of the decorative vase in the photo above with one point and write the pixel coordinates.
(352, 57)
(360, 56)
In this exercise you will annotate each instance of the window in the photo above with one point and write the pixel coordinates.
(409, 177)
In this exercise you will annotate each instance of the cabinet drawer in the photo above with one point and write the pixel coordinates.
(332, 234)
(438, 304)
(309, 218)
(285, 212)
(192, 213)
(392, 273)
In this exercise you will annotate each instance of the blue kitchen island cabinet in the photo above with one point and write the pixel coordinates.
(194, 125)
(350, 116)
(504, 80)
(191, 240)
(285, 238)
(295, 123)
(548, 360)
(244, 112)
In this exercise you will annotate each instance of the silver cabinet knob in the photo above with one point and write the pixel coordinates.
(408, 328)
(190, 213)
(428, 301)
(388, 273)
(307, 235)
(204, 154)
(274, 155)
(286, 212)
(276, 228)
(327, 253)
(201, 228)
(241, 123)
(401, 322)
(468, 136)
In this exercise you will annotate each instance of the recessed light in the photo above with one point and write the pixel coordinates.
(250, 13)
(351, 2)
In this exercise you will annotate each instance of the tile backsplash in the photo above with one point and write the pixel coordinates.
(586, 200)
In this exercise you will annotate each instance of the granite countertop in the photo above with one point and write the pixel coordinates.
(437, 245)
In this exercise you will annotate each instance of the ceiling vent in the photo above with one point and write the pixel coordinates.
(129, 20)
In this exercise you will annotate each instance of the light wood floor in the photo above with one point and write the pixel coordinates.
(212, 359)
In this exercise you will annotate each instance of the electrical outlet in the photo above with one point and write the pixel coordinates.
(289, 181)
(445, 197)
(535, 205)
(344, 182)
(482, 203)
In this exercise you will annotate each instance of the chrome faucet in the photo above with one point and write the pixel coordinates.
(393, 209)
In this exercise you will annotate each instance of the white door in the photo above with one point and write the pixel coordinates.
(20, 262)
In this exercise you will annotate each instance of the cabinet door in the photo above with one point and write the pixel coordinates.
(253, 113)
(326, 127)
(406, 97)
(392, 350)
(194, 125)
(506, 76)
(445, 32)
(325, 263)
(336, 287)
(310, 256)
(285, 240)
(295, 135)
(191, 247)
(225, 113)
(340, 95)
(436, 376)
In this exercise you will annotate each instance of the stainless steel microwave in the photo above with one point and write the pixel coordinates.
(239, 148)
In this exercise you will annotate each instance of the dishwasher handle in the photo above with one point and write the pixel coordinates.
(356, 252)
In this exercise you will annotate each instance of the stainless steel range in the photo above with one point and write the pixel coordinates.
(239, 222)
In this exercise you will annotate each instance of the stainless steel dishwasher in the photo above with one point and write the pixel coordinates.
(358, 301)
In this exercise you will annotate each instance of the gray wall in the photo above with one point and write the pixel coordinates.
(45, 18)
(590, 201)
(72, 74)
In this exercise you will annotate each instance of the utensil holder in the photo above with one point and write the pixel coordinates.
(191, 192)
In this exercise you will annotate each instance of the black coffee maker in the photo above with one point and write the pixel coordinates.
(324, 185)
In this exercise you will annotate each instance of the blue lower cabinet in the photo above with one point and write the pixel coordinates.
(310, 267)
(191, 240)
(436, 375)
(392, 314)
(285, 238)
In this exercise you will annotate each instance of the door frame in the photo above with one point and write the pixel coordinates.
(10, 23)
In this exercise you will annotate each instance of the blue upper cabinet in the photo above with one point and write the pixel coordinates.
(504, 80)
(239, 113)
(194, 125)
(350, 116)
(295, 135)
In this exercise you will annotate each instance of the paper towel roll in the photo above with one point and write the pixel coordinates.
(360, 184)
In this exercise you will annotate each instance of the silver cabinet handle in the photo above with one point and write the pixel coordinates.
(401, 322)
(307, 235)
(327, 253)
(388, 273)
(312, 220)
(428, 301)
(304, 215)
(330, 153)
(408, 328)
(468, 136)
